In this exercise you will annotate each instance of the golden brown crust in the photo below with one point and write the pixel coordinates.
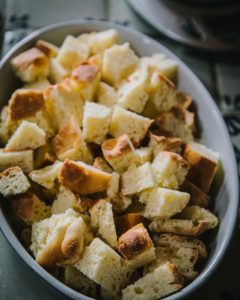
(116, 147)
(85, 72)
(31, 56)
(198, 197)
(83, 180)
(125, 222)
(178, 226)
(47, 48)
(9, 171)
(25, 103)
(171, 144)
(202, 169)
(134, 242)
(178, 279)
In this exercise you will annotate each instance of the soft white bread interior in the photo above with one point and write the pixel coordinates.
(163, 203)
(27, 136)
(13, 181)
(37, 85)
(100, 41)
(96, 121)
(144, 154)
(106, 94)
(56, 71)
(23, 159)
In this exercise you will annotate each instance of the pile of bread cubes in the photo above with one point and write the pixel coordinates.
(100, 166)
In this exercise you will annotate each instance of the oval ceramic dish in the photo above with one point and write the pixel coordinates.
(214, 134)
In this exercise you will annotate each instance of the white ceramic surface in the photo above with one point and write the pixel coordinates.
(214, 133)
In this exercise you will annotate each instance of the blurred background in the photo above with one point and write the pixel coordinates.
(205, 34)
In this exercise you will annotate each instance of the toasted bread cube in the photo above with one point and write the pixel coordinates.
(5, 129)
(106, 94)
(25, 103)
(69, 143)
(118, 62)
(203, 165)
(163, 203)
(100, 41)
(44, 155)
(178, 122)
(29, 208)
(37, 85)
(196, 213)
(184, 100)
(86, 76)
(136, 246)
(163, 143)
(47, 48)
(178, 226)
(72, 51)
(102, 221)
(113, 187)
(102, 165)
(169, 169)
(137, 179)
(127, 221)
(57, 72)
(76, 280)
(197, 196)
(23, 159)
(130, 123)
(27, 136)
(64, 102)
(96, 121)
(66, 199)
(164, 280)
(144, 154)
(31, 65)
(133, 94)
(120, 202)
(95, 263)
(119, 153)
(59, 239)
(13, 181)
(82, 178)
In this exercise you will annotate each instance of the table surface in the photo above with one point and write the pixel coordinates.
(219, 73)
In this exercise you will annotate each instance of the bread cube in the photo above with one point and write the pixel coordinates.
(113, 187)
(169, 169)
(57, 72)
(72, 51)
(120, 202)
(133, 94)
(96, 121)
(86, 76)
(102, 165)
(58, 240)
(178, 123)
(196, 213)
(127, 221)
(102, 221)
(106, 94)
(163, 143)
(31, 65)
(136, 246)
(203, 165)
(164, 280)
(96, 262)
(22, 159)
(47, 48)
(100, 41)
(82, 178)
(76, 280)
(163, 203)
(69, 143)
(130, 123)
(64, 102)
(197, 196)
(178, 226)
(47, 175)
(27, 136)
(29, 208)
(13, 181)
(184, 100)
(37, 85)
(118, 62)
(25, 103)
(119, 153)
(137, 179)
(144, 154)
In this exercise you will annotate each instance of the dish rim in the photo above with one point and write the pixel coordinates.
(211, 266)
